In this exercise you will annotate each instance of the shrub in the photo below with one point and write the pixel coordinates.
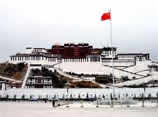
(125, 78)
(104, 79)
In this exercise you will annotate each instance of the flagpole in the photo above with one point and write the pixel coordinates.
(107, 16)
(113, 78)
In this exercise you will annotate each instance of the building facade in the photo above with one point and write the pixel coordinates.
(82, 52)
(39, 82)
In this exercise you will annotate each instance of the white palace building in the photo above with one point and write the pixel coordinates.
(82, 58)
(77, 53)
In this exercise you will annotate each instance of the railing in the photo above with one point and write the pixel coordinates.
(143, 97)
(119, 61)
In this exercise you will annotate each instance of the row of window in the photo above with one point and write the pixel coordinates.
(76, 60)
(20, 58)
(39, 87)
(118, 61)
(92, 59)
(39, 81)
(109, 52)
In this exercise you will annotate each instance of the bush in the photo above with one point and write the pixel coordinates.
(124, 78)
(20, 67)
(36, 72)
(85, 84)
(104, 79)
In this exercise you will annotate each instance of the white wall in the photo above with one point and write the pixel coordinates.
(75, 92)
(42, 62)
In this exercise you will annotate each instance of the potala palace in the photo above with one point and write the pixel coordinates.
(84, 59)
(81, 65)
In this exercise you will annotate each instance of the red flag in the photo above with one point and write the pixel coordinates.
(106, 16)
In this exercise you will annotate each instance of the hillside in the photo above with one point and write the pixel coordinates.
(13, 71)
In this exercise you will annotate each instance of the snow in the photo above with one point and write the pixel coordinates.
(9, 79)
(66, 75)
(93, 68)
(139, 81)
(139, 67)
(26, 76)
(39, 109)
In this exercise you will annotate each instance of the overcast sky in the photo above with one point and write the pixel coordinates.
(42, 23)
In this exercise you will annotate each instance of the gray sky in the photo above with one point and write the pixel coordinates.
(42, 23)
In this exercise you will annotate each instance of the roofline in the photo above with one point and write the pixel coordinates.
(133, 53)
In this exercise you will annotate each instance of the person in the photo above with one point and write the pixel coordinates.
(53, 103)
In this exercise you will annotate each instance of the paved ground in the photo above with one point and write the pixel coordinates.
(34, 109)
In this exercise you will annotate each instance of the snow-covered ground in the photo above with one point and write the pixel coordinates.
(139, 81)
(139, 67)
(94, 68)
(140, 71)
(9, 79)
(26, 76)
(38, 109)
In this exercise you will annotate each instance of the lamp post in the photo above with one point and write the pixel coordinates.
(67, 91)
